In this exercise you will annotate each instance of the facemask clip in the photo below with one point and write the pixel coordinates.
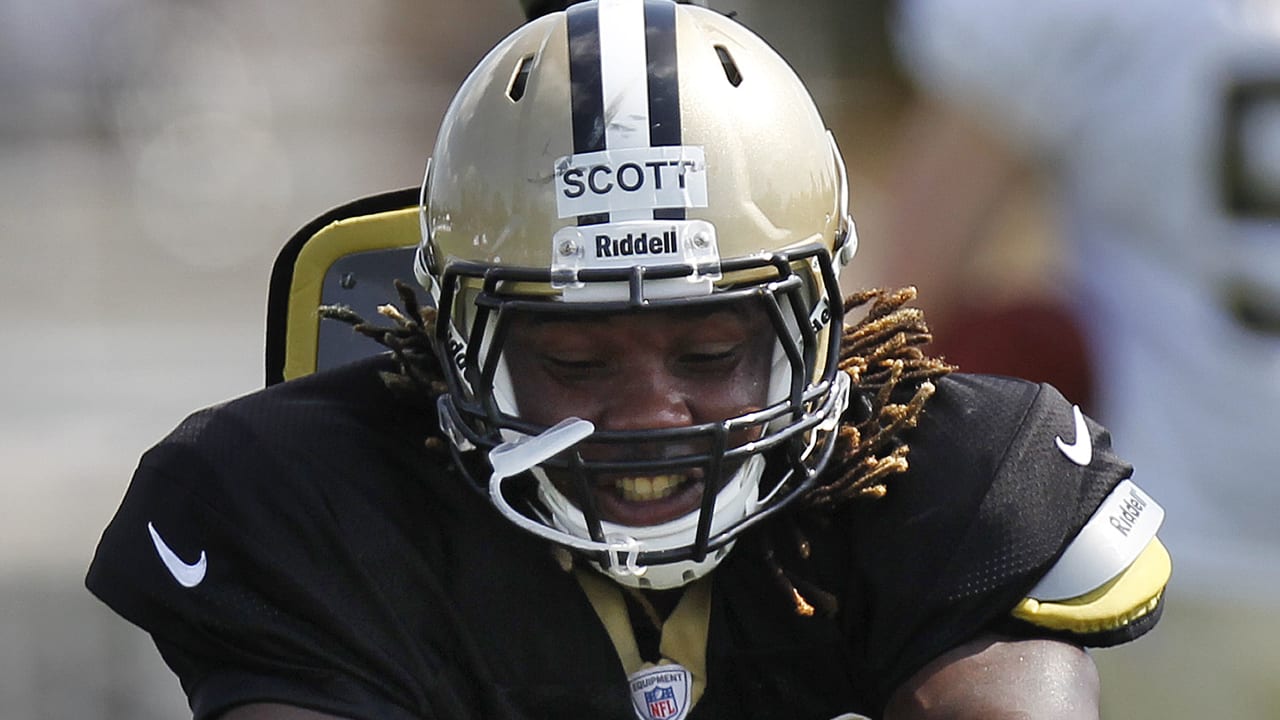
(624, 553)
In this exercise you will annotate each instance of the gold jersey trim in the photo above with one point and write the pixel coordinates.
(684, 634)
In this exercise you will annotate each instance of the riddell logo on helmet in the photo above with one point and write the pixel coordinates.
(631, 179)
(632, 244)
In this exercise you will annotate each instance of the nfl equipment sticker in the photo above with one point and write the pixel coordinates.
(662, 692)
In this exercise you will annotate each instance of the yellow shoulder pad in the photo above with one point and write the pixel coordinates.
(1133, 593)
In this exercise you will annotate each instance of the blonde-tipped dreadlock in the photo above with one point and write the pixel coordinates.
(882, 353)
(409, 339)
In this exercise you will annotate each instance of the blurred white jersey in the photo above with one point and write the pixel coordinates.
(1124, 101)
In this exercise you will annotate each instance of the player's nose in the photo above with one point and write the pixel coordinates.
(647, 395)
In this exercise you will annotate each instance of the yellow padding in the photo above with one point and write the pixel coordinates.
(1127, 597)
(380, 231)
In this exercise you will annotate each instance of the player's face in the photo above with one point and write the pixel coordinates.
(642, 371)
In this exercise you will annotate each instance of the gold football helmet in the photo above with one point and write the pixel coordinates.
(629, 156)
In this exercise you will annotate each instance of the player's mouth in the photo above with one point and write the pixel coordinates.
(643, 500)
(648, 489)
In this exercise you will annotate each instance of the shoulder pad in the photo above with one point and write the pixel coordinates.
(1111, 574)
(1134, 594)
(1108, 543)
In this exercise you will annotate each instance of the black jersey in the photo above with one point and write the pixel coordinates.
(301, 545)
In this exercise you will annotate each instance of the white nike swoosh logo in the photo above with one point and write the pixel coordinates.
(1079, 452)
(187, 575)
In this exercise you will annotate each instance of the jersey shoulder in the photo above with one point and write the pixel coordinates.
(990, 495)
(1003, 477)
(291, 533)
(298, 412)
(334, 431)
(1060, 514)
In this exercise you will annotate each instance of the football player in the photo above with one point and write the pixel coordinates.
(629, 458)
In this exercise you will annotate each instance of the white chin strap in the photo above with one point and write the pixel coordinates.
(568, 526)
(624, 543)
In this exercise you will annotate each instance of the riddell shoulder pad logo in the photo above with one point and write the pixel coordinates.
(631, 179)
(1128, 512)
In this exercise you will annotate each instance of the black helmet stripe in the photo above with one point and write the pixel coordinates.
(664, 83)
(663, 73)
(586, 94)
(611, 108)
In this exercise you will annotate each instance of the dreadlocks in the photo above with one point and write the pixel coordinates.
(892, 380)
(882, 353)
(419, 380)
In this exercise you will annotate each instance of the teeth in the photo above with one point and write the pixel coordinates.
(649, 488)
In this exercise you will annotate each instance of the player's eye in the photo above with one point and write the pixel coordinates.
(571, 366)
(714, 355)
(570, 363)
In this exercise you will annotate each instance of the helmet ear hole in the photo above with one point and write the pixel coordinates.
(520, 78)
(731, 72)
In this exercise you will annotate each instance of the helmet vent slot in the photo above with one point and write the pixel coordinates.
(520, 78)
(731, 71)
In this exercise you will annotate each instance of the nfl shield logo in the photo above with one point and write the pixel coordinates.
(661, 693)
(661, 701)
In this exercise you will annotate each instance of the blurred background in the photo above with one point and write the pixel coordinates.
(1083, 190)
